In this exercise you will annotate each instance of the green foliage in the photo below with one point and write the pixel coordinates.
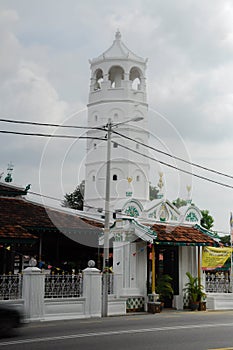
(153, 192)
(207, 220)
(179, 202)
(193, 289)
(164, 287)
(226, 240)
(74, 199)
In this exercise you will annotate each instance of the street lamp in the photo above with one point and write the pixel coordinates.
(109, 128)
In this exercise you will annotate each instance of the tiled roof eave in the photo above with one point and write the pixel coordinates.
(64, 229)
(179, 243)
(205, 231)
(23, 240)
(183, 235)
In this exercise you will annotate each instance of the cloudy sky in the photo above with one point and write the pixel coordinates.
(45, 75)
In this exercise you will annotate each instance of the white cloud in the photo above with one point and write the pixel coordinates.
(44, 76)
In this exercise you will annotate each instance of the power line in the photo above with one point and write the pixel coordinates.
(48, 124)
(174, 157)
(60, 200)
(130, 149)
(50, 135)
(129, 138)
(103, 129)
(175, 167)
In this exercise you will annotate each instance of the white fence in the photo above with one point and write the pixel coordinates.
(51, 297)
(217, 282)
(10, 287)
(63, 286)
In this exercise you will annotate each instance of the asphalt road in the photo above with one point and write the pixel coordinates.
(167, 330)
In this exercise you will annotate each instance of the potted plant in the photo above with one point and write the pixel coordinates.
(164, 288)
(194, 291)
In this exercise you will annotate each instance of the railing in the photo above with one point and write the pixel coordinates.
(10, 287)
(217, 282)
(63, 286)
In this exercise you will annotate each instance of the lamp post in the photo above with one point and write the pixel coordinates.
(109, 127)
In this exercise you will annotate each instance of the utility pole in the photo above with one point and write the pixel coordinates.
(107, 224)
(109, 127)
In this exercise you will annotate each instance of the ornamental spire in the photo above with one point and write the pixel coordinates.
(160, 185)
(118, 35)
(8, 177)
(189, 199)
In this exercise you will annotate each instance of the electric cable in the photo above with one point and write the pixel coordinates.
(130, 149)
(48, 124)
(104, 129)
(50, 135)
(176, 168)
(174, 157)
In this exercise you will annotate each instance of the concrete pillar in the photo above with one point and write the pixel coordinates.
(33, 293)
(92, 291)
(118, 267)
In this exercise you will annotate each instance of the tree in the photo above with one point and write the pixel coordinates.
(226, 240)
(207, 220)
(74, 199)
(153, 190)
(179, 203)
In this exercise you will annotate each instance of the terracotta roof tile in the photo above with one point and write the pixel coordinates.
(15, 231)
(19, 211)
(182, 234)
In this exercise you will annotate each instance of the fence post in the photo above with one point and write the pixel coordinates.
(33, 293)
(92, 290)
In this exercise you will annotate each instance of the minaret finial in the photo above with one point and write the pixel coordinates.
(189, 200)
(160, 185)
(118, 35)
(8, 178)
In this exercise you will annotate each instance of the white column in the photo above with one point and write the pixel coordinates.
(118, 267)
(92, 291)
(33, 293)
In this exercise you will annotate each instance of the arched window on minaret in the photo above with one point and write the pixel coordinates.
(114, 177)
(135, 77)
(116, 75)
(98, 79)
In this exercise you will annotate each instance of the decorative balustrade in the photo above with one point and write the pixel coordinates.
(217, 282)
(10, 287)
(63, 286)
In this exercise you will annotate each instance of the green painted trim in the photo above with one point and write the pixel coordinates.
(207, 232)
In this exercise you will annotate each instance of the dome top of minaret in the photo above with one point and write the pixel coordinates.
(118, 50)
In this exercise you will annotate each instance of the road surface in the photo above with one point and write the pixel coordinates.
(165, 331)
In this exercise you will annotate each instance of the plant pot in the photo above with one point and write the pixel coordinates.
(202, 306)
(194, 305)
(154, 307)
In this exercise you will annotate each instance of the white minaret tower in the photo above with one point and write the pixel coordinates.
(117, 94)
